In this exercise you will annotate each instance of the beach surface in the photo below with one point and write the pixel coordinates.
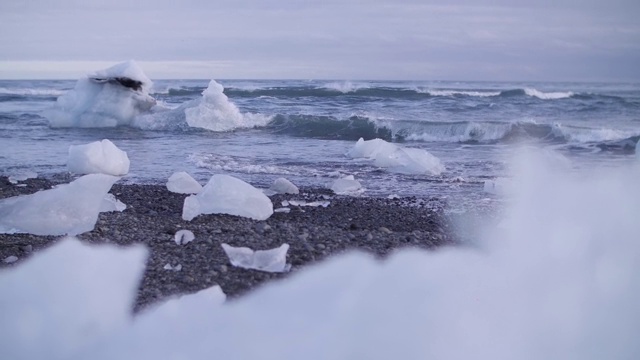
(153, 216)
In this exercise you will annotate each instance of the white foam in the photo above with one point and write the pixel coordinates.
(182, 183)
(272, 260)
(396, 158)
(344, 87)
(462, 92)
(99, 157)
(31, 91)
(585, 135)
(216, 113)
(226, 194)
(547, 95)
(68, 209)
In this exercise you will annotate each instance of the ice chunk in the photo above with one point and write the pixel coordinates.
(304, 203)
(215, 112)
(110, 203)
(284, 186)
(183, 237)
(68, 209)
(91, 288)
(98, 157)
(173, 268)
(346, 185)
(182, 183)
(107, 98)
(273, 260)
(226, 194)
(22, 176)
(282, 210)
(10, 259)
(396, 158)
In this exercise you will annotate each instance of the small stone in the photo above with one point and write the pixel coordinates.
(223, 268)
(262, 227)
(385, 230)
(369, 236)
(321, 246)
(27, 248)
(10, 259)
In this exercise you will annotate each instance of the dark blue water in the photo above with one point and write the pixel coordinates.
(302, 129)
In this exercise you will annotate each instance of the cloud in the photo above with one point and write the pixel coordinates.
(335, 39)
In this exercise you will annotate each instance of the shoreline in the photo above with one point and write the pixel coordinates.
(153, 216)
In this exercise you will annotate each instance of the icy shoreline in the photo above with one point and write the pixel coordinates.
(153, 216)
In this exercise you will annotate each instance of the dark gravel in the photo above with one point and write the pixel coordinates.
(153, 215)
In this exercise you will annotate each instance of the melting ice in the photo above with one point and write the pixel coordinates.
(226, 194)
(99, 157)
(397, 158)
(272, 260)
(182, 183)
(67, 209)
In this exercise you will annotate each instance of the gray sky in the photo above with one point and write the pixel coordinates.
(543, 40)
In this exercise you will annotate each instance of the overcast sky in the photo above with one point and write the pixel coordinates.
(542, 40)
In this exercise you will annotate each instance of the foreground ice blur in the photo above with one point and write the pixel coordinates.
(560, 279)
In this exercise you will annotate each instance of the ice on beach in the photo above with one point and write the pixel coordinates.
(66, 298)
(322, 203)
(283, 186)
(183, 237)
(173, 268)
(10, 259)
(226, 194)
(273, 260)
(182, 183)
(99, 157)
(396, 158)
(110, 203)
(67, 209)
(22, 176)
(347, 185)
(285, 210)
(105, 98)
(216, 113)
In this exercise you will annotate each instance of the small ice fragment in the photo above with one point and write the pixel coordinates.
(183, 237)
(110, 203)
(173, 268)
(22, 176)
(273, 260)
(282, 210)
(393, 196)
(296, 202)
(99, 157)
(284, 186)
(346, 185)
(182, 183)
(284, 203)
(10, 259)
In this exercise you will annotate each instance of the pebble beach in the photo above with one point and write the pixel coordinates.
(153, 216)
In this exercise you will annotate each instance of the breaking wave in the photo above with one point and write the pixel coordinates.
(339, 89)
(48, 92)
(468, 132)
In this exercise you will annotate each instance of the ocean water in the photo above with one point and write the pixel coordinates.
(301, 130)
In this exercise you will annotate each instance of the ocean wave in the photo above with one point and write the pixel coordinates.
(548, 95)
(48, 92)
(328, 127)
(450, 93)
